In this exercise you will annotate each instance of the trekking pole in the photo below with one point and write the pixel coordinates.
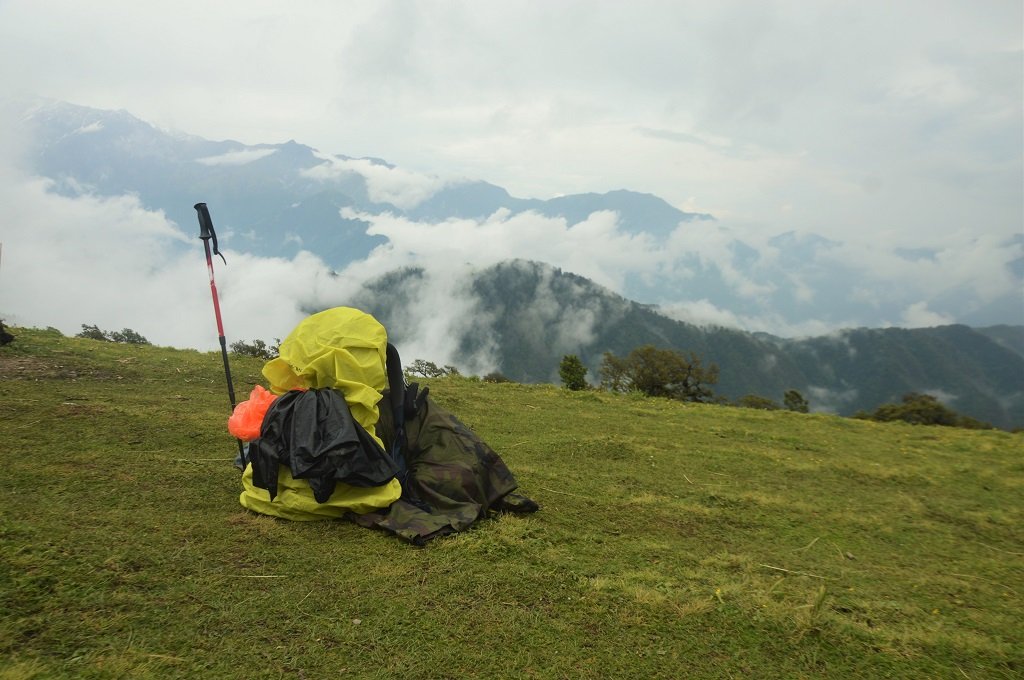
(206, 233)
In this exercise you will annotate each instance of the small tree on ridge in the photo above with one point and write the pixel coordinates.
(660, 373)
(573, 373)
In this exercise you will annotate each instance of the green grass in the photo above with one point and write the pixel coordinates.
(674, 540)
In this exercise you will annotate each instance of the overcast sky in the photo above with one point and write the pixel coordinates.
(899, 120)
(880, 124)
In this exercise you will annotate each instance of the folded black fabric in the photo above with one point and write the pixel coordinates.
(314, 434)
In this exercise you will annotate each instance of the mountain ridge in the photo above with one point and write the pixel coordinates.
(784, 283)
(527, 315)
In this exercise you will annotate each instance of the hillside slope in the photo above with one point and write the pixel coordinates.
(674, 540)
(525, 316)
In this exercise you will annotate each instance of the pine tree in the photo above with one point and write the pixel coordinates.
(573, 373)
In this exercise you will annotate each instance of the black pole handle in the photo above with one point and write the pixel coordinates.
(205, 223)
(206, 231)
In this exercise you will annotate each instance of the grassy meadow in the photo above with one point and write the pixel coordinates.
(674, 541)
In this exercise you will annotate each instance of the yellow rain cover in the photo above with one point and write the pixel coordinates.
(345, 349)
(294, 499)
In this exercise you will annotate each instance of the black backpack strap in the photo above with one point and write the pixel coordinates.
(396, 397)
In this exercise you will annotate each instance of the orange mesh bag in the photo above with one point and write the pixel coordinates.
(247, 418)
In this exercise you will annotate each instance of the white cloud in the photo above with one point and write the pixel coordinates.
(714, 245)
(599, 249)
(237, 157)
(385, 184)
(964, 260)
(86, 260)
(567, 328)
(111, 263)
(927, 80)
(595, 247)
(69, 261)
(706, 314)
(855, 119)
(828, 400)
(946, 398)
(918, 315)
(440, 310)
(701, 313)
(442, 319)
(95, 126)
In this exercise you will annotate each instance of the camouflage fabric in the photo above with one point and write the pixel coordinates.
(454, 478)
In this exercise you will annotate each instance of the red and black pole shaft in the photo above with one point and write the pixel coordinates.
(206, 233)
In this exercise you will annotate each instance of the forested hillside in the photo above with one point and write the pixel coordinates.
(525, 316)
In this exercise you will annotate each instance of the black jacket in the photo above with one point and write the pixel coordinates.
(314, 434)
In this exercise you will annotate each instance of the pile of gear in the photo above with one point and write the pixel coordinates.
(341, 434)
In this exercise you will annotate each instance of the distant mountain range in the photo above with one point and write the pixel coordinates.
(276, 199)
(521, 317)
(270, 198)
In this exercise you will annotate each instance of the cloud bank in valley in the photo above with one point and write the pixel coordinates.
(71, 260)
(970, 271)
(108, 261)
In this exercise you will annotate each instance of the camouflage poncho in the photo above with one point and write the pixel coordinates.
(453, 479)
